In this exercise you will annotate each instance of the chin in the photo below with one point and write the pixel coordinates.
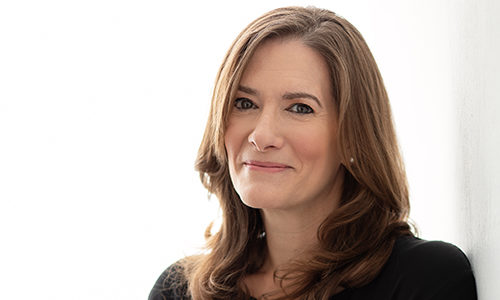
(262, 201)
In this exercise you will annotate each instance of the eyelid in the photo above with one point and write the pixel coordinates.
(302, 95)
(239, 99)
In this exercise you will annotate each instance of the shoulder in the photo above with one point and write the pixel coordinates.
(431, 270)
(421, 257)
(171, 285)
(420, 270)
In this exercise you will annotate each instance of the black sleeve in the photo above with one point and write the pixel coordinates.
(437, 271)
(460, 287)
(171, 285)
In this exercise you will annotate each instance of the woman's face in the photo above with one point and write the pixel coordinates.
(281, 138)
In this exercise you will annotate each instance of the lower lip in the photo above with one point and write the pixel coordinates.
(266, 169)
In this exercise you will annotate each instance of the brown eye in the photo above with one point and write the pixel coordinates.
(301, 108)
(244, 104)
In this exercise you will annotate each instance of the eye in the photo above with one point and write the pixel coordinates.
(301, 108)
(244, 104)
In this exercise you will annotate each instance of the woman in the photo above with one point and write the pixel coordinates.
(300, 150)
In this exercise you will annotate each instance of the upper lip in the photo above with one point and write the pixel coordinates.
(265, 164)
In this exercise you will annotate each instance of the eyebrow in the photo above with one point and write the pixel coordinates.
(301, 95)
(287, 96)
(247, 90)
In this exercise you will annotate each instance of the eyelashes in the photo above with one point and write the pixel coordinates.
(301, 108)
(243, 104)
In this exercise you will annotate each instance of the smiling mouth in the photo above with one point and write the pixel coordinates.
(270, 167)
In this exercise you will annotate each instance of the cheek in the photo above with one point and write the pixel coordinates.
(231, 141)
(236, 135)
(234, 140)
(314, 145)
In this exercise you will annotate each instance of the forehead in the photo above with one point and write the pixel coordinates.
(287, 63)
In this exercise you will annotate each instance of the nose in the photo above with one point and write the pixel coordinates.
(266, 133)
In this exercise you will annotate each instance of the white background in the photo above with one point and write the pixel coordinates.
(102, 108)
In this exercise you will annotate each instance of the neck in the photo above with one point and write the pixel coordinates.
(291, 233)
(288, 238)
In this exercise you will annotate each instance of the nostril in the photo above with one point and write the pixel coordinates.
(265, 139)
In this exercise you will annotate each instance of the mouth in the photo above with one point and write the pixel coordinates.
(263, 166)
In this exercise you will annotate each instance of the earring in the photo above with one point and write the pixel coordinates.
(351, 160)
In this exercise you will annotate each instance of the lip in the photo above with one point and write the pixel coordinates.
(265, 166)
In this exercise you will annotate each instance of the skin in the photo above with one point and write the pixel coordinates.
(281, 142)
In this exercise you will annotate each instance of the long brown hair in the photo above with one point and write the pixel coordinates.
(356, 239)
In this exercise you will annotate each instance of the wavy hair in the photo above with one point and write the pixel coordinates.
(356, 239)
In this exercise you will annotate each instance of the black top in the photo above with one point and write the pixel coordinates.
(416, 270)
